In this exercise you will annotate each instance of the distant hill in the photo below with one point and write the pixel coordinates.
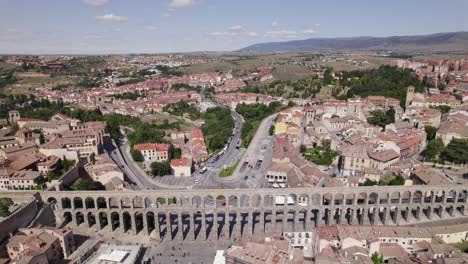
(440, 42)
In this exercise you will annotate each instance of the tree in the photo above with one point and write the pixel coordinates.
(5, 204)
(433, 149)
(377, 258)
(379, 118)
(271, 131)
(456, 151)
(391, 114)
(177, 153)
(84, 185)
(431, 132)
(137, 156)
(161, 168)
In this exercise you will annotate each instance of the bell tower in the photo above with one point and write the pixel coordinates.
(409, 96)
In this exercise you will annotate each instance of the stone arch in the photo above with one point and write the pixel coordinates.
(103, 222)
(89, 203)
(350, 198)
(114, 202)
(395, 197)
(338, 199)
(67, 217)
(451, 196)
(268, 200)
(115, 220)
(184, 201)
(406, 197)
(417, 197)
(428, 196)
(233, 201)
(292, 199)
(462, 196)
(161, 201)
(208, 201)
(327, 199)
(91, 219)
(148, 203)
(256, 200)
(196, 201)
(127, 221)
(315, 199)
(384, 197)
(244, 201)
(101, 203)
(77, 203)
(126, 202)
(138, 202)
(150, 221)
(79, 218)
(303, 199)
(373, 198)
(361, 198)
(66, 203)
(440, 196)
(138, 222)
(220, 201)
(51, 200)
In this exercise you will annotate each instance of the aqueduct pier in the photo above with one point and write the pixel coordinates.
(233, 213)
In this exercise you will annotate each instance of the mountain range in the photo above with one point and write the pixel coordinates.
(439, 42)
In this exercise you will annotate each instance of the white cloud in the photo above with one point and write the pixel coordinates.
(166, 15)
(252, 34)
(281, 34)
(312, 30)
(96, 2)
(182, 3)
(112, 18)
(309, 31)
(92, 36)
(151, 28)
(222, 34)
(236, 28)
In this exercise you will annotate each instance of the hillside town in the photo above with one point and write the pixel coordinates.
(235, 165)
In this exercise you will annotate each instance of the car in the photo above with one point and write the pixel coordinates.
(246, 177)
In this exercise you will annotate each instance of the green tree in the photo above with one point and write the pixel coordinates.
(456, 151)
(377, 258)
(443, 108)
(84, 185)
(271, 131)
(5, 204)
(379, 118)
(431, 132)
(218, 127)
(137, 156)
(434, 148)
(390, 113)
(161, 168)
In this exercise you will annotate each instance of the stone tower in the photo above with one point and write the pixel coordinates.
(13, 116)
(409, 96)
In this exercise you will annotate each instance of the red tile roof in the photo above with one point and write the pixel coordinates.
(151, 146)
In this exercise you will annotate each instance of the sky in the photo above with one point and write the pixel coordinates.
(156, 26)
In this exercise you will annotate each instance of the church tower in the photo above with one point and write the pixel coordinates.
(409, 96)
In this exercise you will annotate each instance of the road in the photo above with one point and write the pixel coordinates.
(261, 146)
(132, 174)
(260, 149)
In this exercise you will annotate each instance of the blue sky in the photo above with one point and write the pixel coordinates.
(123, 26)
